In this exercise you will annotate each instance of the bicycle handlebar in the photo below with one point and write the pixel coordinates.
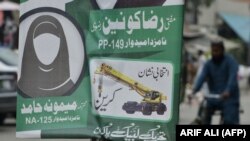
(213, 96)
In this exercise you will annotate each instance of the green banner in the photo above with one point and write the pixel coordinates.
(99, 69)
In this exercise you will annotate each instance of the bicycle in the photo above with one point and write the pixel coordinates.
(216, 111)
(203, 110)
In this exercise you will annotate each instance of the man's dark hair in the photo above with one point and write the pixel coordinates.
(200, 52)
(218, 44)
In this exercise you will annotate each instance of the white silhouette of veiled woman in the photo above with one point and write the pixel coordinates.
(39, 79)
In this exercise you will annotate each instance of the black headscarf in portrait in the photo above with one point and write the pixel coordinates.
(38, 79)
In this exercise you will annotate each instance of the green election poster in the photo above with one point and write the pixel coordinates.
(105, 69)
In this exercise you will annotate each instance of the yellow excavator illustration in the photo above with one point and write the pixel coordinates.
(152, 100)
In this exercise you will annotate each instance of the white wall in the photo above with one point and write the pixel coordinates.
(233, 6)
(208, 15)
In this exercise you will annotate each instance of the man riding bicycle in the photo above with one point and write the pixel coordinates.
(220, 73)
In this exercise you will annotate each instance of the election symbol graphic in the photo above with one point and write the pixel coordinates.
(52, 63)
(144, 92)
